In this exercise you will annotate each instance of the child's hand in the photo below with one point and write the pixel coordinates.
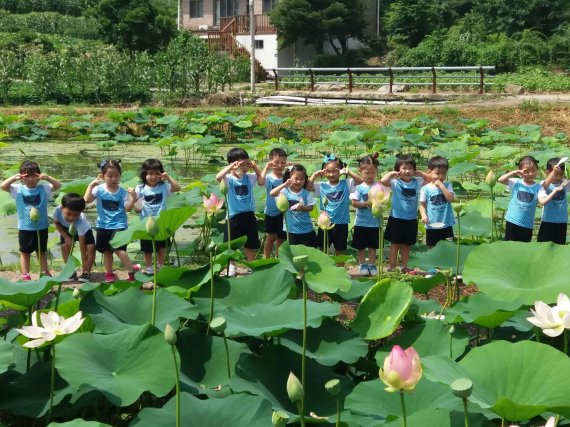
(288, 182)
(164, 177)
(270, 165)
(67, 239)
(250, 165)
(132, 193)
(425, 219)
(42, 176)
(438, 184)
(344, 171)
(557, 189)
(296, 206)
(521, 172)
(97, 180)
(318, 173)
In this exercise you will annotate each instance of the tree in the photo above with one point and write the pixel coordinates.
(315, 21)
(135, 25)
(409, 21)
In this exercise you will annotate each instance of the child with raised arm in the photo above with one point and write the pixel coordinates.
(402, 227)
(31, 194)
(552, 196)
(366, 226)
(71, 212)
(334, 195)
(524, 199)
(435, 203)
(156, 185)
(113, 203)
(301, 203)
(274, 234)
(241, 205)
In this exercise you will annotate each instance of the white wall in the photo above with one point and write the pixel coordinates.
(266, 56)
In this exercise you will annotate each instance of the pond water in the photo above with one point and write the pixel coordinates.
(70, 160)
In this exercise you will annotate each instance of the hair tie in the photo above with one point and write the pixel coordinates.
(103, 163)
(375, 155)
(329, 158)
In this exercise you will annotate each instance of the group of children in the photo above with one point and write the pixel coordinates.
(408, 185)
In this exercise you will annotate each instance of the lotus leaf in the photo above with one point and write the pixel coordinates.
(482, 310)
(78, 422)
(442, 256)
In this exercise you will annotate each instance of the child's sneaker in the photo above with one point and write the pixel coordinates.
(136, 267)
(109, 277)
(364, 271)
(26, 277)
(149, 271)
(373, 270)
(232, 271)
(85, 277)
(45, 274)
(73, 276)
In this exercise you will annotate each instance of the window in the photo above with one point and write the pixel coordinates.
(269, 5)
(225, 8)
(258, 44)
(196, 8)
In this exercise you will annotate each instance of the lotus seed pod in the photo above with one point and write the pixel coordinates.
(279, 418)
(300, 262)
(223, 187)
(34, 214)
(376, 209)
(294, 388)
(152, 228)
(218, 325)
(170, 335)
(282, 203)
(333, 387)
(76, 293)
(457, 207)
(491, 178)
(462, 387)
(72, 230)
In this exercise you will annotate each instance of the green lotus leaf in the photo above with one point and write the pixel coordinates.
(482, 310)
(341, 137)
(230, 411)
(5, 356)
(501, 152)
(474, 224)
(79, 422)
(329, 344)
(382, 309)
(463, 168)
(171, 119)
(515, 271)
(442, 256)
(443, 418)
(112, 314)
(424, 284)
(358, 288)
(203, 362)
(321, 274)
(259, 319)
(121, 366)
(76, 186)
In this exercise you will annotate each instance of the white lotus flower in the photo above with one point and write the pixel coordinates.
(433, 315)
(552, 420)
(552, 320)
(52, 326)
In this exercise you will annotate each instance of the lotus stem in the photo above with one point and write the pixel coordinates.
(457, 257)
(52, 382)
(380, 253)
(228, 226)
(177, 385)
(227, 355)
(537, 331)
(337, 412)
(176, 250)
(29, 355)
(39, 251)
(300, 409)
(59, 284)
(286, 225)
(325, 246)
(211, 292)
(492, 213)
(153, 315)
(565, 341)
(403, 404)
(466, 411)
(303, 357)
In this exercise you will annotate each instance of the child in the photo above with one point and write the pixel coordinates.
(31, 195)
(273, 217)
(402, 227)
(155, 188)
(241, 204)
(71, 212)
(336, 192)
(365, 232)
(552, 196)
(301, 203)
(524, 198)
(435, 203)
(113, 203)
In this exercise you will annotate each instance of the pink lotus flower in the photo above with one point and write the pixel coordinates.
(402, 369)
(324, 221)
(379, 194)
(213, 204)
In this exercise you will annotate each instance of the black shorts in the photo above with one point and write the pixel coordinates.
(307, 239)
(338, 235)
(365, 237)
(274, 225)
(401, 231)
(516, 233)
(435, 235)
(89, 238)
(104, 238)
(552, 232)
(28, 240)
(244, 224)
(146, 245)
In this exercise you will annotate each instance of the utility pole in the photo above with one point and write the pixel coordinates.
(252, 53)
(178, 16)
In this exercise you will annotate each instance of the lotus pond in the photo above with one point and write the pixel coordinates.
(203, 349)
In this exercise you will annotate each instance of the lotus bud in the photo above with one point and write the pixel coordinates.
(211, 248)
(462, 387)
(333, 387)
(212, 204)
(300, 262)
(76, 293)
(377, 209)
(224, 187)
(491, 178)
(34, 214)
(218, 325)
(152, 228)
(72, 230)
(282, 203)
(402, 369)
(170, 335)
(294, 388)
(324, 221)
(279, 418)
(457, 207)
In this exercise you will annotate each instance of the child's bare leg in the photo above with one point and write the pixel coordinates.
(250, 254)
(361, 256)
(405, 253)
(124, 258)
(270, 240)
(43, 262)
(160, 256)
(278, 243)
(148, 259)
(88, 258)
(372, 256)
(108, 261)
(393, 255)
(337, 253)
(65, 250)
(25, 262)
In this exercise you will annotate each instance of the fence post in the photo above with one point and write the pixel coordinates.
(349, 80)
(481, 80)
(276, 80)
(433, 80)
(391, 74)
(312, 80)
